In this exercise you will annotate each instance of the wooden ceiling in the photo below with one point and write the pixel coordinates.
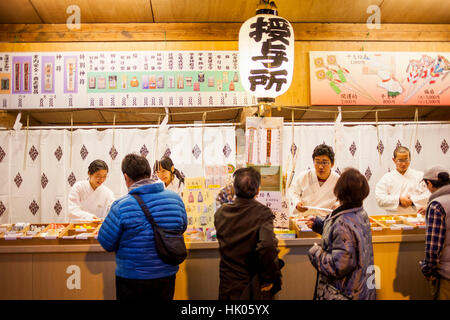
(163, 11)
(151, 12)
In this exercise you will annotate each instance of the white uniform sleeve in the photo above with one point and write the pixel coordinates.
(420, 195)
(109, 201)
(295, 193)
(385, 199)
(74, 206)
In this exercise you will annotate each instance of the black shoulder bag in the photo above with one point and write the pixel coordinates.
(169, 243)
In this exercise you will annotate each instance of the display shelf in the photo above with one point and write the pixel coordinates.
(53, 231)
(4, 228)
(301, 229)
(394, 225)
(81, 231)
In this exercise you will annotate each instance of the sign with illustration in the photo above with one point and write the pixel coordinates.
(199, 203)
(379, 78)
(121, 79)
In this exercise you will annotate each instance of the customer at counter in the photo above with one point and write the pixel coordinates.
(140, 272)
(90, 199)
(314, 188)
(346, 253)
(249, 263)
(402, 190)
(436, 265)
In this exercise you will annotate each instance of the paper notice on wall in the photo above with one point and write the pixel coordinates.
(121, 79)
(278, 204)
(263, 141)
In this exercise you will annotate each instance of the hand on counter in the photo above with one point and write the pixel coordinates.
(422, 210)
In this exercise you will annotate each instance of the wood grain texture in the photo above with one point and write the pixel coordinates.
(117, 32)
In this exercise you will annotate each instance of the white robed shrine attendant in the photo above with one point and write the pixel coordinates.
(166, 172)
(90, 199)
(314, 188)
(402, 191)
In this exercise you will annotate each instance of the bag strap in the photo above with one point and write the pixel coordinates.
(146, 210)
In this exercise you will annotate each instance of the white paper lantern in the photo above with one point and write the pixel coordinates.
(266, 56)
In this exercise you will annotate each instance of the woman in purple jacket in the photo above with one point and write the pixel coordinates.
(344, 260)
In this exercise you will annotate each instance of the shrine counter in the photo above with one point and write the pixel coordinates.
(81, 269)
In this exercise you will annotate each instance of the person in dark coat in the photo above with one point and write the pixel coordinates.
(249, 264)
(344, 261)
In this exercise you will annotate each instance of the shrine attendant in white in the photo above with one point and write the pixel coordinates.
(402, 190)
(90, 199)
(173, 179)
(314, 188)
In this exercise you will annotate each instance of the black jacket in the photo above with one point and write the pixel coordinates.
(248, 250)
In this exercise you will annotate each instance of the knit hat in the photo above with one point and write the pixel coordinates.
(432, 173)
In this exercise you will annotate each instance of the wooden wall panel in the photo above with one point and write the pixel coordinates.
(51, 276)
(116, 32)
(328, 11)
(95, 11)
(413, 11)
(16, 276)
(206, 11)
(18, 11)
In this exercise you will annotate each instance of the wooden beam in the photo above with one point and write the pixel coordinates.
(131, 32)
(7, 119)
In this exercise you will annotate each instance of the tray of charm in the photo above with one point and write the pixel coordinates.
(81, 231)
(16, 231)
(416, 220)
(394, 225)
(53, 231)
(5, 227)
(301, 229)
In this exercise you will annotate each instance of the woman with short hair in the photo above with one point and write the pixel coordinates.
(344, 260)
(90, 199)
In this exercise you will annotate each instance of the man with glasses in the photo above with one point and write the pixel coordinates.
(402, 190)
(314, 188)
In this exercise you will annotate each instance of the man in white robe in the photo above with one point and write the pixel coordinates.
(314, 188)
(402, 191)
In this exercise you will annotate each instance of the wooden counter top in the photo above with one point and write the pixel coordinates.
(49, 246)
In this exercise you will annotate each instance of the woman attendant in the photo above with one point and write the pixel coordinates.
(173, 179)
(90, 199)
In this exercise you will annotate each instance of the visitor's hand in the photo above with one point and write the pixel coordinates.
(266, 287)
(421, 211)
(310, 221)
(300, 207)
(405, 201)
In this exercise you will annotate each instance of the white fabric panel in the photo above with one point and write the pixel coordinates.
(26, 203)
(427, 144)
(181, 142)
(53, 193)
(5, 176)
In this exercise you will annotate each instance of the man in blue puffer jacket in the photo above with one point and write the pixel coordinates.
(140, 273)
